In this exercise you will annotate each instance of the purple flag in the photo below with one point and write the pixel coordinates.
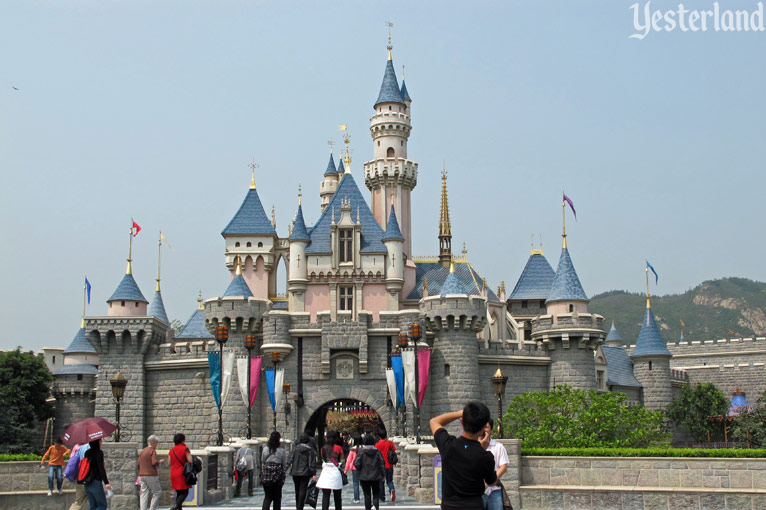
(569, 201)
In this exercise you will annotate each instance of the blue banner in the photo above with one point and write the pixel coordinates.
(396, 366)
(270, 386)
(214, 363)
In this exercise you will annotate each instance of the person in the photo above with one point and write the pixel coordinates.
(80, 498)
(246, 456)
(354, 472)
(384, 445)
(372, 471)
(55, 455)
(148, 475)
(273, 453)
(177, 457)
(96, 477)
(330, 479)
(493, 495)
(301, 463)
(467, 465)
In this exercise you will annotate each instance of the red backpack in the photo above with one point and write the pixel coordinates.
(84, 469)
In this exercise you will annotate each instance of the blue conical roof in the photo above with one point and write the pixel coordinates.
(566, 285)
(157, 308)
(195, 327)
(331, 170)
(404, 93)
(80, 344)
(250, 219)
(238, 287)
(452, 285)
(650, 342)
(127, 290)
(392, 228)
(535, 280)
(341, 168)
(389, 89)
(613, 335)
(299, 229)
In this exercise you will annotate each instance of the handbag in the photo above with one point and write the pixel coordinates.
(343, 476)
(312, 494)
(393, 458)
(272, 473)
(190, 469)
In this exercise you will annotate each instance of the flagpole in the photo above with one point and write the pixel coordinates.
(130, 251)
(159, 257)
(648, 302)
(84, 292)
(564, 222)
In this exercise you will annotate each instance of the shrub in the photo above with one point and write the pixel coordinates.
(745, 453)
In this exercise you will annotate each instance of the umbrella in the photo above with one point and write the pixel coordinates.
(87, 430)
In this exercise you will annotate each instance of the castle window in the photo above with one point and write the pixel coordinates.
(446, 370)
(260, 245)
(54, 360)
(650, 365)
(571, 308)
(600, 379)
(345, 245)
(378, 143)
(122, 303)
(389, 107)
(401, 143)
(390, 152)
(524, 303)
(346, 300)
(249, 244)
(236, 245)
(79, 377)
(136, 304)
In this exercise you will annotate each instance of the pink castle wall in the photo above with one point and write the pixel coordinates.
(129, 310)
(317, 299)
(563, 307)
(256, 277)
(374, 299)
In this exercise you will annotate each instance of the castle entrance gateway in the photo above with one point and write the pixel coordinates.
(348, 416)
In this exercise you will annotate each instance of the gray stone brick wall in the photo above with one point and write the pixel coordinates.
(74, 400)
(657, 388)
(573, 365)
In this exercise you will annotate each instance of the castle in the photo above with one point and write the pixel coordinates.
(353, 285)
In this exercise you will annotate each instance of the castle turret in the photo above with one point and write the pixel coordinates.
(455, 318)
(298, 274)
(127, 299)
(157, 306)
(394, 260)
(651, 362)
(330, 183)
(390, 176)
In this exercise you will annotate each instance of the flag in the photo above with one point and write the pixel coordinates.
(396, 366)
(569, 201)
(214, 365)
(683, 324)
(424, 364)
(656, 278)
(87, 288)
(228, 370)
(342, 127)
(135, 226)
(274, 386)
(255, 373)
(408, 362)
(391, 382)
(165, 240)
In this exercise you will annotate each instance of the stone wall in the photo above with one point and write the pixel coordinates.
(642, 483)
(654, 375)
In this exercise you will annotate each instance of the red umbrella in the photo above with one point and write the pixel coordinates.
(87, 430)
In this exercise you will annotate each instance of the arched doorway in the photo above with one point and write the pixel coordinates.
(349, 416)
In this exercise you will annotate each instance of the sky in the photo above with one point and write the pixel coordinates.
(153, 111)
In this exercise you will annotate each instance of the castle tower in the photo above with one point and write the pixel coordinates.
(445, 230)
(651, 362)
(330, 183)
(527, 300)
(390, 176)
(394, 261)
(157, 306)
(298, 274)
(455, 318)
(251, 237)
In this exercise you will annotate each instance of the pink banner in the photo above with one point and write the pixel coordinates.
(424, 363)
(255, 377)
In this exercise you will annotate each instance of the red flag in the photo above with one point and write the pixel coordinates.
(135, 226)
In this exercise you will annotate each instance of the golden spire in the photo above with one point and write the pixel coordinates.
(389, 47)
(238, 270)
(159, 258)
(347, 140)
(273, 216)
(252, 166)
(564, 223)
(445, 229)
(648, 300)
(199, 301)
(538, 251)
(451, 267)
(300, 195)
(465, 252)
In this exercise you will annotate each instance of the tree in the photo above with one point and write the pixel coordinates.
(696, 407)
(750, 425)
(578, 418)
(24, 388)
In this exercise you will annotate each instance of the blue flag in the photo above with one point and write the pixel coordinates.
(270, 374)
(656, 278)
(214, 363)
(396, 366)
(87, 288)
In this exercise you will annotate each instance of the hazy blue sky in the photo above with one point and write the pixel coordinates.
(153, 110)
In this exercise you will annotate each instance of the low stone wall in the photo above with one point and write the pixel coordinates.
(642, 483)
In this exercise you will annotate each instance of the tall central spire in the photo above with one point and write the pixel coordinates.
(445, 229)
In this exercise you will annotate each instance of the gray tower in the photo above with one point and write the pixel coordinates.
(651, 364)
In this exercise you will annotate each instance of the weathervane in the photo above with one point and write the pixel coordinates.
(390, 26)
(330, 143)
(253, 165)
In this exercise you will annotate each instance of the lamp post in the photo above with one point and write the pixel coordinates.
(498, 382)
(415, 334)
(118, 383)
(401, 345)
(276, 357)
(221, 336)
(250, 342)
(286, 391)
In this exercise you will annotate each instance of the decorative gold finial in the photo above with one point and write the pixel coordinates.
(451, 267)
(238, 270)
(347, 140)
(389, 47)
(300, 194)
(648, 299)
(330, 143)
(465, 251)
(252, 166)
(199, 301)
(273, 216)
(538, 251)
(483, 283)
(402, 72)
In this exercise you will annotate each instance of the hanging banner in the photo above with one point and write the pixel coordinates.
(242, 378)
(408, 361)
(424, 364)
(391, 381)
(214, 365)
(280, 377)
(228, 372)
(255, 377)
(269, 373)
(398, 369)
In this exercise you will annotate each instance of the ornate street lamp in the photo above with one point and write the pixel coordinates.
(250, 342)
(416, 334)
(221, 336)
(401, 345)
(118, 383)
(498, 382)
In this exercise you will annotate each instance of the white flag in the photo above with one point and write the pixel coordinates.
(228, 370)
(279, 378)
(242, 377)
(391, 380)
(408, 362)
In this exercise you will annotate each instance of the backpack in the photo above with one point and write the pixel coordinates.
(72, 468)
(242, 463)
(393, 458)
(272, 473)
(83, 469)
(302, 462)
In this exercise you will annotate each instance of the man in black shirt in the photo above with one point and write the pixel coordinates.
(467, 466)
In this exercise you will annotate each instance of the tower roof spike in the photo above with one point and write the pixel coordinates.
(252, 166)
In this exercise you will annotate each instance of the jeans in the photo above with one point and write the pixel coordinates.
(58, 473)
(355, 481)
(370, 486)
(301, 486)
(178, 500)
(249, 481)
(96, 496)
(273, 493)
(150, 492)
(326, 499)
(494, 501)
(389, 482)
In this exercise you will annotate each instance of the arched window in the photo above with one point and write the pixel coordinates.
(236, 245)
(571, 308)
(260, 245)
(446, 370)
(390, 152)
(249, 244)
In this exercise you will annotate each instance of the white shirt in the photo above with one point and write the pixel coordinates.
(499, 453)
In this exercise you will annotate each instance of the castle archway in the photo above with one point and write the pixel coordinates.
(349, 416)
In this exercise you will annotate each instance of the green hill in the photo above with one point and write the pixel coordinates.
(714, 309)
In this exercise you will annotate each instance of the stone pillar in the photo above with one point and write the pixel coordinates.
(512, 477)
(425, 491)
(120, 461)
(572, 362)
(653, 372)
(225, 468)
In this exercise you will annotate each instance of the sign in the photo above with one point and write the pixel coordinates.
(438, 479)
